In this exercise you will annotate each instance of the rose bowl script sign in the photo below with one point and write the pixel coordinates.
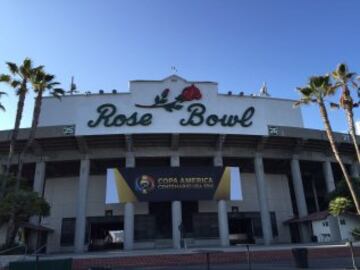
(197, 112)
(172, 105)
(173, 184)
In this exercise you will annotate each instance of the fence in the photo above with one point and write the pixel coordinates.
(245, 257)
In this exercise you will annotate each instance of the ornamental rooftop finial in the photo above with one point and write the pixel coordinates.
(264, 91)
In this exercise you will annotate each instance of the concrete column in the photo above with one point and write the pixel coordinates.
(223, 223)
(262, 197)
(223, 219)
(38, 186)
(330, 186)
(329, 176)
(176, 222)
(129, 226)
(39, 178)
(176, 213)
(129, 210)
(300, 197)
(355, 169)
(80, 224)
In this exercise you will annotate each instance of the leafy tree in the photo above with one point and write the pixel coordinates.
(319, 88)
(346, 80)
(21, 204)
(341, 193)
(339, 205)
(17, 79)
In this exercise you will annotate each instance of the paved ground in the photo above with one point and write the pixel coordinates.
(329, 264)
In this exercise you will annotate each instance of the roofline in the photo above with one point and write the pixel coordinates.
(174, 75)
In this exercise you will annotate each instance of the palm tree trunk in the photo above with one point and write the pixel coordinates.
(14, 135)
(350, 119)
(34, 125)
(329, 133)
(11, 231)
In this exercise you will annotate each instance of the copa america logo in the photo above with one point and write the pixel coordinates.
(145, 184)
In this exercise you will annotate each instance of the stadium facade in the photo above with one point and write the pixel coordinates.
(181, 137)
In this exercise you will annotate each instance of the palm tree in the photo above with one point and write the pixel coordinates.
(18, 80)
(316, 91)
(343, 78)
(2, 107)
(41, 82)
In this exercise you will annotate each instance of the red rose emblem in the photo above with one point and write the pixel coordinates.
(191, 93)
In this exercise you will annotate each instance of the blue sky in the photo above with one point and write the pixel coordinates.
(239, 44)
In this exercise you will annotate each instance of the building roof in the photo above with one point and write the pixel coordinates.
(39, 228)
(312, 217)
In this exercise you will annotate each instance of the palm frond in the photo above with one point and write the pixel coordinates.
(305, 91)
(5, 78)
(27, 64)
(14, 69)
(49, 77)
(58, 91)
(302, 101)
(342, 69)
(15, 83)
(51, 85)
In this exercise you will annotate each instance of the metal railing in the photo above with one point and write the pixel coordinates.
(13, 248)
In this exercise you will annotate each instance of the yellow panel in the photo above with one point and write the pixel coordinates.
(223, 189)
(125, 194)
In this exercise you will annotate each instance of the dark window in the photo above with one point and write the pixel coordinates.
(145, 227)
(257, 227)
(256, 223)
(342, 221)
(205, 225)
(67, 232)
(63, 169)
(274, 224)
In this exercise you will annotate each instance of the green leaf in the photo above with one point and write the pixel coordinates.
(305, 91)
(165, 93)
(317, 81)
(49, 77)
(157, 99)
(178, 107)
(168, 108)
(59, 91)
(27, 64)
(5, 78)
(12, 67)
(339, 205)
(341, 69)
(15, 83)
